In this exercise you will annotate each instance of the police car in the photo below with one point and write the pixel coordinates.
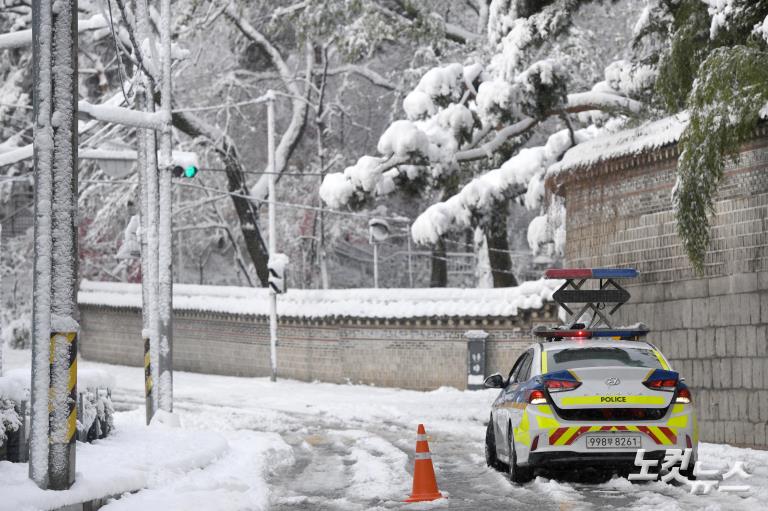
(588, 396)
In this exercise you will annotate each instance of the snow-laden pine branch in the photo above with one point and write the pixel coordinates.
(483, 193)
(435, 138)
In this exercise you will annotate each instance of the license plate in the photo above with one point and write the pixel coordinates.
(613, 441)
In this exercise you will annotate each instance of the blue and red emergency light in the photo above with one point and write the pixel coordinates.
(574, 291)
(584, 333)
(591, 273)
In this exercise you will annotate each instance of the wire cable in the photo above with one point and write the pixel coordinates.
(117, 52)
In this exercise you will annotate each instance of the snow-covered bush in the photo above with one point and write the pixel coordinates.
(11, 394)
(17, 334)
(10, 420)
(96, 419)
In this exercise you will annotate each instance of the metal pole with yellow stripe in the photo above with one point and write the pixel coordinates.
(147, 198)
(55, 315)
(148, 384)
(62, 410)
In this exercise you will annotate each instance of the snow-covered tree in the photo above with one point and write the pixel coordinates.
(334, 65)
(715, 65)
(493, 111)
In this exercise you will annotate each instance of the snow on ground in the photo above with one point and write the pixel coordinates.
(318, 446)
(133, 457)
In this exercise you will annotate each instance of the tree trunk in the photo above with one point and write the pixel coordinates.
(439, 276)
(245, 208)
(498, 247)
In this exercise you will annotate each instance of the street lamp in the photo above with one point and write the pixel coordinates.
(378, 232)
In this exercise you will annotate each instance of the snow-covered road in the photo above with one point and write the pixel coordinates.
(318, 446)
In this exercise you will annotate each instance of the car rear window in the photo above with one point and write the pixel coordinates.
(572, 358)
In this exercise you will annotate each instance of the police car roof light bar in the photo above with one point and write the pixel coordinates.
(591, 273)
(595, 300)
(553, 334)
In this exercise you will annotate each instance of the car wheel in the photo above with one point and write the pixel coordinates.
(490, 448)
(516, 473)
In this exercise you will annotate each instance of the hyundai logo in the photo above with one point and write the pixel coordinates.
(612, 381)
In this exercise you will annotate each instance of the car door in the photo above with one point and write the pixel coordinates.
(522, 376)
(505, 404)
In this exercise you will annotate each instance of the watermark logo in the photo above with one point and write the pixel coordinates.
(676, 460)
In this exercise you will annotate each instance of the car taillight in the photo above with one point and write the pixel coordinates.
(683, 396)
(537, 397)
(668, 385)
(561, 385)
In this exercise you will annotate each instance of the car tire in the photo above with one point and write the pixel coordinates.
(491, 458)
(516, 473)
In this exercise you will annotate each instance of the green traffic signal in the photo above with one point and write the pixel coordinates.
(188, 172)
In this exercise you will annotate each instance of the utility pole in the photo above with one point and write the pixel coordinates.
(149, 213)
(165, 253)
(1, 298)
(272, 230)
(410, 255)
(375, 265)
(148, 219)
(55, 315)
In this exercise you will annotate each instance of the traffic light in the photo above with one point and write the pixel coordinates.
(188, 171)
(278, 269)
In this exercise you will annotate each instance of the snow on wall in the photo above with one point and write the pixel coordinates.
(363, 303)
(649, 136)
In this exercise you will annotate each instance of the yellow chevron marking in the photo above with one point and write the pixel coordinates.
(601, 400)
(566, 436)
(660, 435)
(72, 376)
(146, 359)
(633, 428)
(663, 362)
(594, 428)
(71, 424)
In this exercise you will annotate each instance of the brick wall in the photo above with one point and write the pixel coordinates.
(712, 327)
(422, 354)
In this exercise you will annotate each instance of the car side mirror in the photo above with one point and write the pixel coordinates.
(494, 381)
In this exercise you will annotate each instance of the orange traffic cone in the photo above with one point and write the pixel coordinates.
(424, 482)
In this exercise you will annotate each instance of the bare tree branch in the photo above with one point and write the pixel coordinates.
(292, 135)
(365, 72)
